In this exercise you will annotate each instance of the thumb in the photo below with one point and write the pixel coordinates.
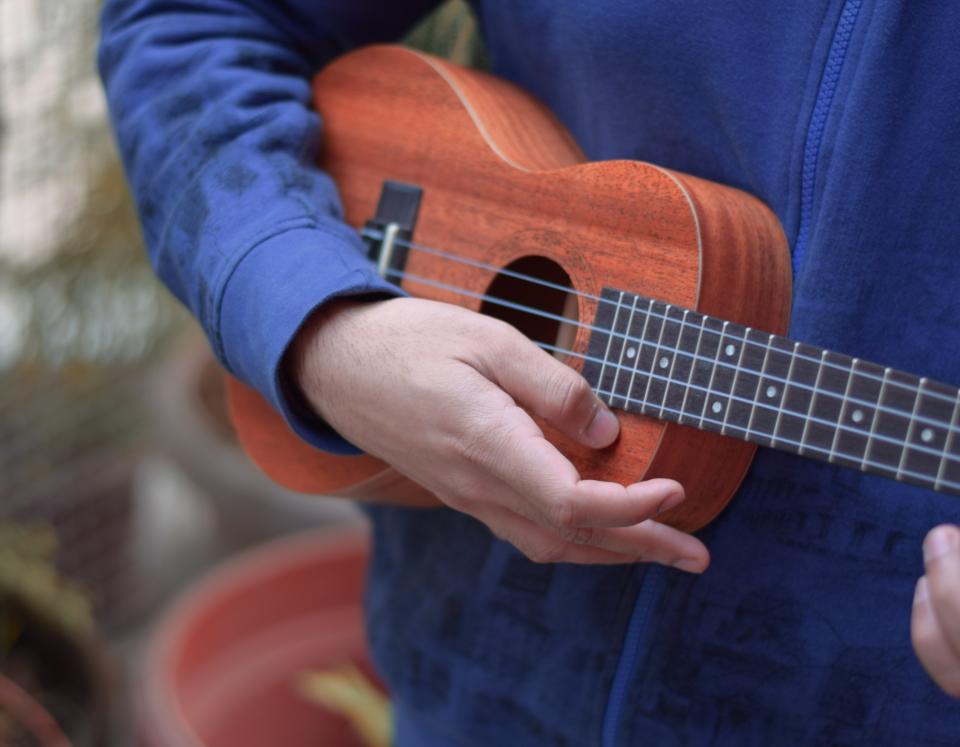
(555, 392)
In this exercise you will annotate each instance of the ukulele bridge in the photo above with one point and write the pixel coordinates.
(387, 235)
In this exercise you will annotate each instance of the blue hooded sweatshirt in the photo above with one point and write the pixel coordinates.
(842, 115)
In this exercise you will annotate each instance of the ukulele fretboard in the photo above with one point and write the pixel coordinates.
(680, 366)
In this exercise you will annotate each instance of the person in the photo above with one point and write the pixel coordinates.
(537, 609)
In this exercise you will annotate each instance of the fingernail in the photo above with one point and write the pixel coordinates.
(921, 594)
(670, 501)
(939, 542)
(603, 430)
(689, 565)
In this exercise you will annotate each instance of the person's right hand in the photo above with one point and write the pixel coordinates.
(443, 395)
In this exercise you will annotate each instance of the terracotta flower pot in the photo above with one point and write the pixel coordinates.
(223, 667)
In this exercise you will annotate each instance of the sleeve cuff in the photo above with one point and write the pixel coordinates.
(267, 298)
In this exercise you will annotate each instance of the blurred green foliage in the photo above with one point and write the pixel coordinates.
(29, 580)
(450, 32)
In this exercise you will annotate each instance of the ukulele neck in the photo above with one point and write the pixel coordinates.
(677, 365)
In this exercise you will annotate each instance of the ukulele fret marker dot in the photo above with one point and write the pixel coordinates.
(730, 350)
(716, 407)
(631, 352)
(664, 362)
(926, 435)
(771, 391)
(857, 416)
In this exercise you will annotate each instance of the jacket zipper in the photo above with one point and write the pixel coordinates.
(818, 123)
(653, 576)
(650, 585)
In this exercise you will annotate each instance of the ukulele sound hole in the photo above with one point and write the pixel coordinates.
(538, 298)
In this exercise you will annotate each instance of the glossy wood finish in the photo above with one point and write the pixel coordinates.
(502, 179)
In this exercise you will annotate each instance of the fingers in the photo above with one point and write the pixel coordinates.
(619, 527)
(549, 489)
(548, 388)
(590, 503)
(652, 542)
(941, 553)
(935, 654)
(540, 545)
(936, 613)
(649, 542)
(525, 489)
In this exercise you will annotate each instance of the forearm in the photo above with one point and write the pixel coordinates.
(211, 105)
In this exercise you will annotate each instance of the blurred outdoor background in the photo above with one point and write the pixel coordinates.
(119, 480)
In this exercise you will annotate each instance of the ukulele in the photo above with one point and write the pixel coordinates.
(669, 293)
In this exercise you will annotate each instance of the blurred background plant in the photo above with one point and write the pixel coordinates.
(118, 477)
(50, 658)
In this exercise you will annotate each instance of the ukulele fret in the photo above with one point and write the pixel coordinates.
(889, 429)
(680, 365)
(790, 351)
(703, 367)
(636, 345)
(693, 359)
(825, 417)
(746, 386)
(911, 429)
(798, 397)
(773, 386)
(646, 359)
(652, 399)
(724, 375)
(733, 386)
(929, 440)
(853, 434)
(622, 342)
(666, 355)
(767, 391)
(813, 402)
(607, 316)
(949, 468)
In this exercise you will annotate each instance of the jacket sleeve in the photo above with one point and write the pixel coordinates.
(210, 102)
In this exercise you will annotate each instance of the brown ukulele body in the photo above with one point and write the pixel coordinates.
(503, 180)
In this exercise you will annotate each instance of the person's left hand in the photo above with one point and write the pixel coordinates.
(935, 625)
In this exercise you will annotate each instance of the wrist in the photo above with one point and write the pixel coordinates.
(298, 377)
(315, 358)
(291, 375)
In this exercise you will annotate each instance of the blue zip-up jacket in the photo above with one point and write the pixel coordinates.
(842, 115)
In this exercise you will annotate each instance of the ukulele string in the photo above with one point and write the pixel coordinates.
(374, 234)
(641, 343)
(801, 447)
(704, 418)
